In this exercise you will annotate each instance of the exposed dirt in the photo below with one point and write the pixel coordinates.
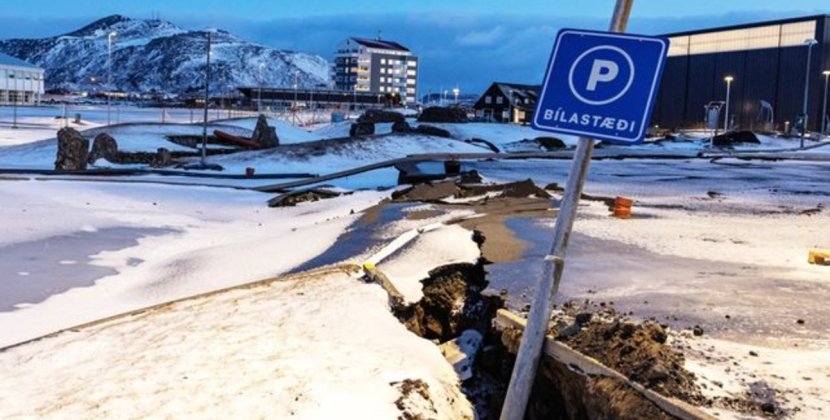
(452, 303)
(413, 400)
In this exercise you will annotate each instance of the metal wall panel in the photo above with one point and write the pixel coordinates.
(774, 74)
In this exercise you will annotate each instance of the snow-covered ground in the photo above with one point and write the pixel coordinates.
(316, 347)
(203, 239)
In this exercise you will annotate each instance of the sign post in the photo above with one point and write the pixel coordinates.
(598, 85)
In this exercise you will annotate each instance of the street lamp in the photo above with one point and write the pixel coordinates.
(809, 43)
(110, 38)
(455, 92)
(728, 80)
(259, 96)
(826, 74)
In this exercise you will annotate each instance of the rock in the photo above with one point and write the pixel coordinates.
(376, 116)
(583, 318)
(73, 150)
(800, 322)
(401, 127)
(359, 129)
(162, 159)
(437, 114)
(734, 137)
(432, 131)
(768, 408)
(103, 147)
(753, 353)
(697, 330)
(550, 143)
(657, 333)
(264, 134)
(461, 352)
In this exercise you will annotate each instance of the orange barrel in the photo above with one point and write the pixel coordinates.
(622, 207)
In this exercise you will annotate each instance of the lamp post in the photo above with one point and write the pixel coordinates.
(809, 43)
(207, 100)
(826, 74)
(110, 38)
(455, 93)
(728, 80)
(259, 96)
(16, 94)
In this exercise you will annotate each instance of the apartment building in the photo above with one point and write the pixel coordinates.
(20, 82)
(376, 66)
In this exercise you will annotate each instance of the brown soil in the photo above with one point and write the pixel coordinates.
(414, 392)
(448, 288)
(637, 350)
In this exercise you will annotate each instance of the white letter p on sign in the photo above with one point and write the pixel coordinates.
(602, 71)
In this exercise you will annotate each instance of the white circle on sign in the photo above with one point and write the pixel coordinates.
(617, 96)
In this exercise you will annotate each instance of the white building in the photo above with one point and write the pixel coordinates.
(376, 66)
(20, 82)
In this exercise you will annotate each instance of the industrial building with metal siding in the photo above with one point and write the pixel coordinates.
(768, 62)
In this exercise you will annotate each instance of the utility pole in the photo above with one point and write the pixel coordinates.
(529, 354)
(110, 38)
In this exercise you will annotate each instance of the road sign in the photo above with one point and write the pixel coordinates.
(601, 85)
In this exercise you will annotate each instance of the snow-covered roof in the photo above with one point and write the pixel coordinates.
(7, 60)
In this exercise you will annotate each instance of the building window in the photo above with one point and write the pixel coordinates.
(412, 63)
(769, 36)
(499, 100)
(488, 99)
(383, 89)
(383, 70)
(382, 61)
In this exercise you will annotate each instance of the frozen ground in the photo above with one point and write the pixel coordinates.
(155, 243)
(317, 347)
(707, 240)
(719, 245)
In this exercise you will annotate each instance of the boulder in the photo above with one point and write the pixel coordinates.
(550, 143)
(432, 131)
(162, 159)
(73, 150)
(360, 129)
(103, 147)
(439, 114)
(401, 127)
(376, 116)
(734, 137)
(264, 134)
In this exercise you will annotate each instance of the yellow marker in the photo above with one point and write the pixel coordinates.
(368, 266)
(816, 256)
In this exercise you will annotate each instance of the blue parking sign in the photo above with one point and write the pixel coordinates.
(601, 85)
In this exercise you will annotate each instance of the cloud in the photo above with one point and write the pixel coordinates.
(481, 38)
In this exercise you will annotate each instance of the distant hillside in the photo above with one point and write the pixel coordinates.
(156, 55)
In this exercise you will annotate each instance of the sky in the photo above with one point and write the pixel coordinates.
(463, 43)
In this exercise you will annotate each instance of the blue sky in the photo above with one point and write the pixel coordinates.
(465, 42)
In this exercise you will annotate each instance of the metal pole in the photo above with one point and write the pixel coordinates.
(109, 72)
(527, 359)
(810, 44)
(726, 117)
(207, 98)
(824, 107)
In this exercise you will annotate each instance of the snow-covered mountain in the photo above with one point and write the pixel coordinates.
(156, 55)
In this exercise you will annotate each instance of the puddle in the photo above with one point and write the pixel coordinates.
(33, 271)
